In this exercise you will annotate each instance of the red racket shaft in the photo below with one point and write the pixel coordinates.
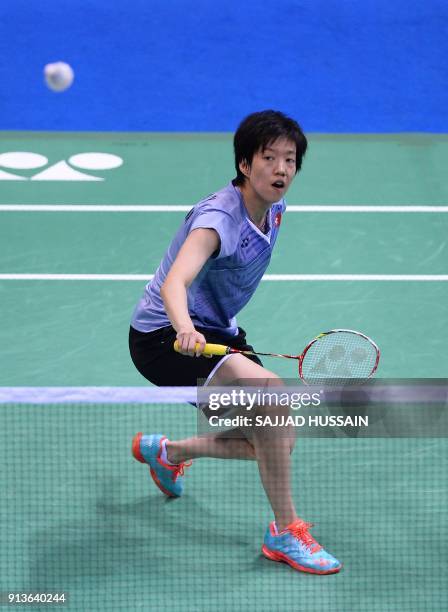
(222, 349)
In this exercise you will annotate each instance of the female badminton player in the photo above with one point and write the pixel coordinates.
(209, 272)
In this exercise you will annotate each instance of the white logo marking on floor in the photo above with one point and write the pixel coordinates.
(60, 171)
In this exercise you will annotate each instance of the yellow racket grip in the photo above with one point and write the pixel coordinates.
(210, 349)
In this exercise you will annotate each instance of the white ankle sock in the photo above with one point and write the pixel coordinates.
(163, 454)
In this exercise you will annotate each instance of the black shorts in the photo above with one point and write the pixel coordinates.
(155, 358)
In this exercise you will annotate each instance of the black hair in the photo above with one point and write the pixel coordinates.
(258, 130)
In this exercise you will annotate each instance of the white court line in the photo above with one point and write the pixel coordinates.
(266, 277)
(78, 277)
(168, 208)
(91, 208)
(355, 277)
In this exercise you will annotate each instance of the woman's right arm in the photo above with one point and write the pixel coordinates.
(200, 244)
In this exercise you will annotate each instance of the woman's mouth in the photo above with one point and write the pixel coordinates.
(278, 185)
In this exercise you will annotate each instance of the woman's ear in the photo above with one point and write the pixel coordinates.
(244, 167)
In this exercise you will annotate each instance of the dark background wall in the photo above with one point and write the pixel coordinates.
(184, 65)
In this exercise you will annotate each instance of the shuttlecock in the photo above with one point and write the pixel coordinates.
(59, 76)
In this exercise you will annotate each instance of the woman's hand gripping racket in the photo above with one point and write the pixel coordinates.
(336, 356)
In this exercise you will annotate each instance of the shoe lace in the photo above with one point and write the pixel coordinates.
(299, 529)
(180, 469)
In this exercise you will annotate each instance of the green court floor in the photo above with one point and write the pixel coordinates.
(79, 514)
(83, 516)
(182, 168)
(312, 243)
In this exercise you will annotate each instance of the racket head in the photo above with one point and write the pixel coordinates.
(339, 356)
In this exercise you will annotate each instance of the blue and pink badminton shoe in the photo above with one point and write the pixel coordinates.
(294, 545)
(169, 478)
(297, 547)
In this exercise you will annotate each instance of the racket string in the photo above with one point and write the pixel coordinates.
(339, 356)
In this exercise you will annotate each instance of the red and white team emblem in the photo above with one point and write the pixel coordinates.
(278, 219)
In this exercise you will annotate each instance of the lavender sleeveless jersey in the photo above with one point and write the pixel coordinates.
(229, 278)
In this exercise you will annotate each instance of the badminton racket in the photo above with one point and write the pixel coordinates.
(338, 355)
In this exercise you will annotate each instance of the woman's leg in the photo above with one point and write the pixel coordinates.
(216, 446)
(270, 446)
